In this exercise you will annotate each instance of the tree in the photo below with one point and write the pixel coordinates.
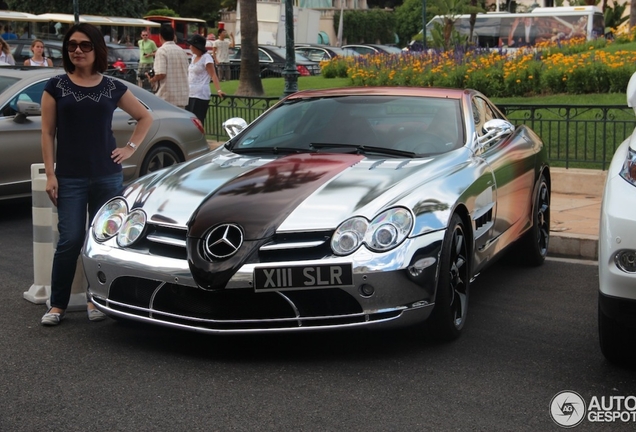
(632, 14)
(249, 80)
(451, 10)
(408, 19)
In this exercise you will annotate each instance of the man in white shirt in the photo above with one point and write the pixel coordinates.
(171, 70)
(221, 54)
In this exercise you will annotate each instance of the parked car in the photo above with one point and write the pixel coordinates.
(373, 49)
(175, 136)
(123, 61)
(272, 62)
(317, 53)
(339, 208)
(617, 252)
(21, 50)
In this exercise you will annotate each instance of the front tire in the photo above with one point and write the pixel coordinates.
(532, 249)
(451, 300)
(615, 340)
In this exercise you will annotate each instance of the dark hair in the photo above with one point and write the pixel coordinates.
(167, 32)
(99, 47)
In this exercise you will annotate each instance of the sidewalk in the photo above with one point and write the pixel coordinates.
(575, 211)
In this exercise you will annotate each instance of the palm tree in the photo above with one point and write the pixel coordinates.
(632, 13)
(249, 80)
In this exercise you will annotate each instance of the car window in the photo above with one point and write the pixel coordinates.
(482, 112)
(32, 93)
(6, 82)
(55, 53)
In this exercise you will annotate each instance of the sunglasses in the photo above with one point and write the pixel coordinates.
(85, 46)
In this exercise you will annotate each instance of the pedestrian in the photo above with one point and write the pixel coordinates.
(83, 170)
(221, 53)
(200, 71)
(38, 59)
(170, 79)
(5, 53)
(9, 35)
(147, 50)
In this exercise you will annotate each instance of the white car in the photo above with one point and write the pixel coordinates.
(617, 251)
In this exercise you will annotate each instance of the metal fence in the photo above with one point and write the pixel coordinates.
(577, 136)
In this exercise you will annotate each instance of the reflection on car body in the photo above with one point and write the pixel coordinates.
(340, 208)
(175, 136)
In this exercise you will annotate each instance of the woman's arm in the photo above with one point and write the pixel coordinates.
(215, 79)
(136, 110)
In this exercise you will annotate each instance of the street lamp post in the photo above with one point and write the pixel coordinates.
(424, 24)
(290, 73)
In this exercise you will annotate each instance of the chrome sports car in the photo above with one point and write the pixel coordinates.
(617, 252)
(336, 208)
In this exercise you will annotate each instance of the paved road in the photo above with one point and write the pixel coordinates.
(531, 334)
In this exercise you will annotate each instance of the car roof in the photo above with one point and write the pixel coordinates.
(22, 72)
(384, 91)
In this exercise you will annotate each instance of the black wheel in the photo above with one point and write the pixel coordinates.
(615, 340)
(158, 158)
(451, 300)
(533, 246)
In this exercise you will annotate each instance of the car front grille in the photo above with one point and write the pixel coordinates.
(241, 309)
(171, 242)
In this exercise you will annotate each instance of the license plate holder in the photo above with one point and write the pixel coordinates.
(303, 277)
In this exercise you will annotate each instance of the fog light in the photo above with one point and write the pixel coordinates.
(419, 266)
(101, 277)
(626, 261)
(366, 290)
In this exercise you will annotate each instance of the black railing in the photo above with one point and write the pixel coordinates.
(577, 136)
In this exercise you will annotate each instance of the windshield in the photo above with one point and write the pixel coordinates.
(419, 125)
(126, 54)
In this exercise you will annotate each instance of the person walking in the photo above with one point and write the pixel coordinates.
(38, 59)
(5, 53)
(171, 70)
(83, 171)
(200, 72)
(221, 53)
(147, 50)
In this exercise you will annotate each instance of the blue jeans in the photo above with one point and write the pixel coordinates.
(75, 196)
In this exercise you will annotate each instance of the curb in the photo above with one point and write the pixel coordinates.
(578, 246)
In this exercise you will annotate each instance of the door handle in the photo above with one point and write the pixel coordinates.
(132, 122)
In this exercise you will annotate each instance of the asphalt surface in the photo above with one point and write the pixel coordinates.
(531, 333)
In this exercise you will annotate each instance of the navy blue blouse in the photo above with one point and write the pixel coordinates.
(84, 135)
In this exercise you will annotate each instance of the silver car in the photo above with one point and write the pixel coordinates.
(340, 208)
(175, 136)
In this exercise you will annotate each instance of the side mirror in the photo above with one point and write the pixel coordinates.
(631, 92)
(234, 126)
(26, 109)
(495, 129)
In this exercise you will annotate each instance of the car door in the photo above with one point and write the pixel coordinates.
(512, 160)
(20, 146)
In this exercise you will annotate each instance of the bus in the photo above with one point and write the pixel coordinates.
(183, 28)
(515, 30)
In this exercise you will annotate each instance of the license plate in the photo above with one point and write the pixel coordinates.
(303, 277)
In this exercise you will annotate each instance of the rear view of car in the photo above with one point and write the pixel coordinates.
(617, 252)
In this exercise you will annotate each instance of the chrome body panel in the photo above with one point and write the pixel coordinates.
(490, 184)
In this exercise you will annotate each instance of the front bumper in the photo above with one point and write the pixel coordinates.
(616, 234)
(160, 290)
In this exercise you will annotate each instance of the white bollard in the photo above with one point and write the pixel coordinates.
(45, 236)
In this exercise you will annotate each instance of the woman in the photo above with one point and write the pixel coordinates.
(84, 171)
(5, 53)
(38, 59)
(200, 71)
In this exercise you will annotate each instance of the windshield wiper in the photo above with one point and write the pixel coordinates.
(272, 150)
(365, 149)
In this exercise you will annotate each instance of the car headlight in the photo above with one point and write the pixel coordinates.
(349, 236)
(385, 232)
(109, 219)
(628, 172)
(132, 228)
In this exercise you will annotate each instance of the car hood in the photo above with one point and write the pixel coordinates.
(272, 193)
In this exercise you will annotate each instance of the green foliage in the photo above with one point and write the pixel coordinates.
(129, 8)
(614, 15)
(408, 20)
(370, 26)
(162, 12)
